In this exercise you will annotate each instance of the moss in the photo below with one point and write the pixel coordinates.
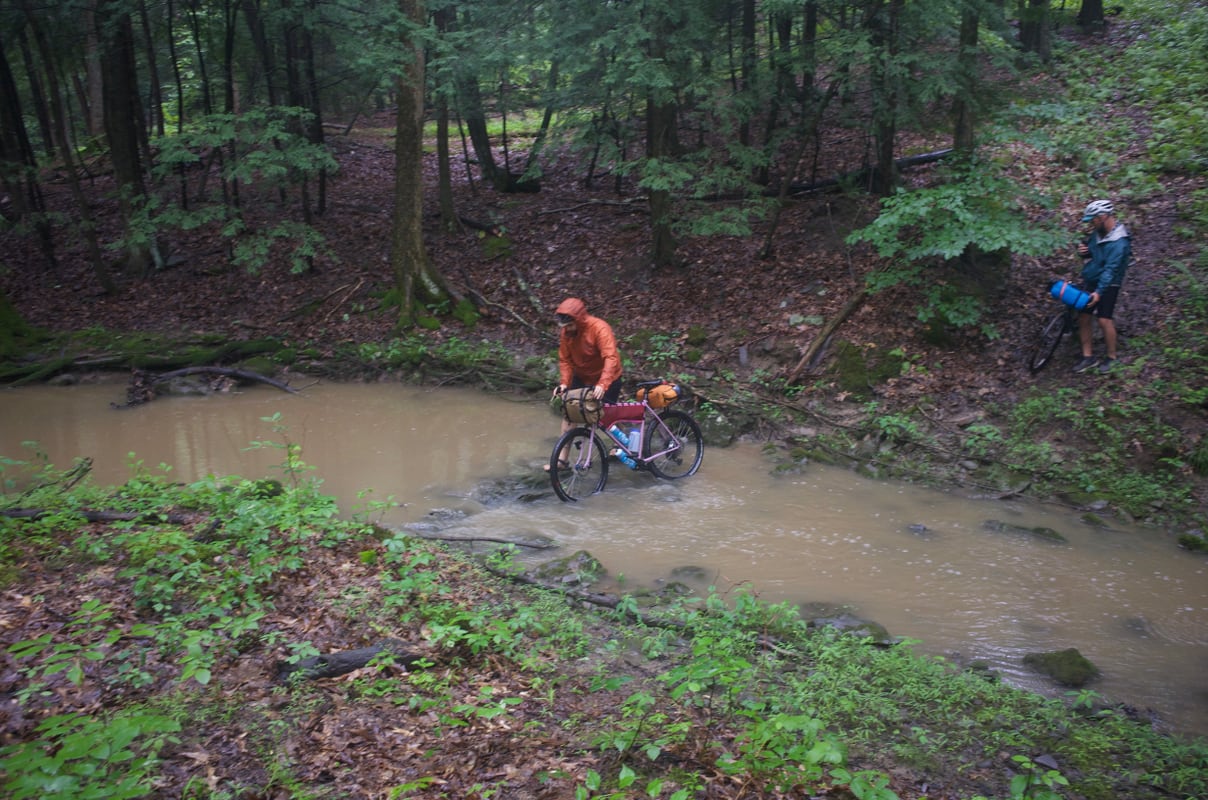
(1067, 667)
(465, 313)
(697, 336)
(427, 323)
(1194, 543)
(858, 369)
(692, 356)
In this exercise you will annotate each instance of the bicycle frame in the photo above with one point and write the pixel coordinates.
(621, 412)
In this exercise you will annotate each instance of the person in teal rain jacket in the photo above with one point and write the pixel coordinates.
(1107, 249)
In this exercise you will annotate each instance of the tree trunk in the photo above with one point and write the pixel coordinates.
(966, 79)
(415, 279)
(1090, 15)
(59, 125)
(885, 92)
(18, 164)
(123, 124)
(443, 20)
(37, 95)
(1034, 36)
(661, 143)
(155, 103)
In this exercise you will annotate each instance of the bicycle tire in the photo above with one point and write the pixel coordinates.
(684, 459)
(586, 468)
(1050, 337)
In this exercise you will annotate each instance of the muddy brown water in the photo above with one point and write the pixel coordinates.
(1126, 597)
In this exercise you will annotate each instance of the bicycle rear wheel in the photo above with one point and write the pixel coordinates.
(578, 465)
(681, 439)
(1050, 337)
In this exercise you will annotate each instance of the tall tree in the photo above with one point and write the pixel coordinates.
(416, 279)
(124, 127)
(59, 124)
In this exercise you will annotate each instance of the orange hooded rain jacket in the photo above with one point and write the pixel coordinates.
(591, 353)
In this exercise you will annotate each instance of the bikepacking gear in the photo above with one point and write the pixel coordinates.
(660, 396)
(1070, 294)
(578, 405)
(1097, 207)
(1085, 363)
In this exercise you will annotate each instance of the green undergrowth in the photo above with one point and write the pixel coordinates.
(183, 584)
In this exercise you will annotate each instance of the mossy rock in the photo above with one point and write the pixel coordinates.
(580, 568)
(1067, 667)
(858, 369)
(983, 670)
(1193, 542)
(1039, 532)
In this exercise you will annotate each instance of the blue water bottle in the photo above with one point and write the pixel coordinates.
(618, 434)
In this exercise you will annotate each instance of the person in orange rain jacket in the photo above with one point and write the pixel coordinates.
(587, 354)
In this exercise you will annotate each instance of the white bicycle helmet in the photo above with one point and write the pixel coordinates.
(1097, 207)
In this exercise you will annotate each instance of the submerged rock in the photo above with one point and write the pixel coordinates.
(580, 568)
(1067, 667)
(998, 526)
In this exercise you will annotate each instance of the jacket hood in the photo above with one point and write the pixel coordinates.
(1118, 232)
(574, 307)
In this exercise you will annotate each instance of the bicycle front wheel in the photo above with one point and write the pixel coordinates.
(1050, 337)
(578, 466)
(676, 447)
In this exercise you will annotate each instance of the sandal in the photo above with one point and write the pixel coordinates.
(562, 464)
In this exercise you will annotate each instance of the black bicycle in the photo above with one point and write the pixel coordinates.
(1063, 322)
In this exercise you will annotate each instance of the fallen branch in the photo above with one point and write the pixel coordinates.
(635, 203)
(824, 335)
(471, 539)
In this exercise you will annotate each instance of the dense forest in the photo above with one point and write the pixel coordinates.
(838, 217)
(714, 113)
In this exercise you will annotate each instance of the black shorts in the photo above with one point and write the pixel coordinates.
(611, 395)
(1107, 302)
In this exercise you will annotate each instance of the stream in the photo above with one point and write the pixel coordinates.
(921, 562)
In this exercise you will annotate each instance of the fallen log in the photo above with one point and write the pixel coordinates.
(861, 176)
(142, 384)
(333, 665)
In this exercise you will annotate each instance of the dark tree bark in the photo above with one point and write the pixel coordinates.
(962, 106)
(66, 151)
(886, 95)
(443, 19)
(1034, 36)
(1090, 15)
(154, 95)
(661, 143)
(264, 50)
(18, 164)
(37, 95)
(123, 124)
